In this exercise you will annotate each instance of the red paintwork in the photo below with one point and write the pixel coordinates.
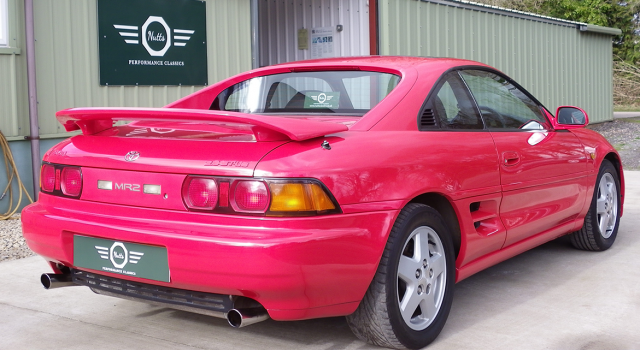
(307, 267)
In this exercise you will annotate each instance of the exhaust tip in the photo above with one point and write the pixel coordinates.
(243, 317)
(53, 280)
(45, 280)
(235, 318)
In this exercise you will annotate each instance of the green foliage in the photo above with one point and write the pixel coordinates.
(607, 13)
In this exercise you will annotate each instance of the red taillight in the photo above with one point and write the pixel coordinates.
(201, 193)
(71, 181)
(47, 177)
(251, 196)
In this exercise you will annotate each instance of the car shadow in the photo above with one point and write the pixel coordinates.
(495, 290)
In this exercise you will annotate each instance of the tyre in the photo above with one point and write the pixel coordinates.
(603, 218)
(409, 299)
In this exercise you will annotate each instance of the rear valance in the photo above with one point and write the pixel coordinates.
(95, 120)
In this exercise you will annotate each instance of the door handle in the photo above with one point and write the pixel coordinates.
(510, 158)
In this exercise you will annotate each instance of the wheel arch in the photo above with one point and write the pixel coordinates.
(442, 204)
(614, 158)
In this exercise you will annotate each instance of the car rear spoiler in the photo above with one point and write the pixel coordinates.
(94, 120)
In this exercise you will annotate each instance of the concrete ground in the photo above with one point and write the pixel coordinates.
(619, 115)
(552, 297)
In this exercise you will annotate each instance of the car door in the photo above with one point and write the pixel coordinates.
(542, 171)
(471, 163)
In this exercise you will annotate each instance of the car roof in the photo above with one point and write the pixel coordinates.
(389, 62)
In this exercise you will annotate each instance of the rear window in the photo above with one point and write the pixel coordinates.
(322, 92)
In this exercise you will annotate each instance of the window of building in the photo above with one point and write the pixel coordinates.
(4, 23)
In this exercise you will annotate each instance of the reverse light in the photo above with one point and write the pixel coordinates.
(71, 181)
(200, 193)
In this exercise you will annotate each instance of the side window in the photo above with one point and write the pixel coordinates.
(502, 105)
(452, 105)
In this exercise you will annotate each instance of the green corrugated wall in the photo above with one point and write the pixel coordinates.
(558, 64)
(66, 34)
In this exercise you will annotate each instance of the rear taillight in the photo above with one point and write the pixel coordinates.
(200, 193)
(47, 178)
(61, 180)
(71, 181)
(251, 196)
(271, 197)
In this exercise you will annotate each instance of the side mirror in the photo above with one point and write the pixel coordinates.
(569, 117)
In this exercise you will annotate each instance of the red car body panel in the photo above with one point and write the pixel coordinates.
(307, 267)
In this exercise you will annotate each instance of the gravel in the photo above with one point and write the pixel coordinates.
(624, 135)
(12, 244)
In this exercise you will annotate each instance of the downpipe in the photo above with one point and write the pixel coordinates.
(238, 318)
(56, 280)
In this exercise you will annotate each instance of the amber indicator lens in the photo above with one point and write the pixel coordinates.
(300, 197)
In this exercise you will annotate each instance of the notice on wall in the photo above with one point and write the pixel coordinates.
(322, 42)
(152, 42)
(303, 39)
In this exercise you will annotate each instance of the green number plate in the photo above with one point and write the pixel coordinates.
(138, 260)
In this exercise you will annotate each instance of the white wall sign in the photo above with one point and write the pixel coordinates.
(322, 42)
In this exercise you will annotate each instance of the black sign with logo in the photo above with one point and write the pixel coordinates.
(152, 42)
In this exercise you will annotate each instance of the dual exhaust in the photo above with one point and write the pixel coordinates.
(237, 318)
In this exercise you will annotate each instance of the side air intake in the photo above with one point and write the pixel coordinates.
(428, 119)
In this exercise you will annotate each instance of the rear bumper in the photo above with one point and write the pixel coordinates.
(297, 268)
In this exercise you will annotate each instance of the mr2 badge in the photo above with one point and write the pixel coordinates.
(131, 259)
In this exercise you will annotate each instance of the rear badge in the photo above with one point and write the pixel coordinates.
(131, 156)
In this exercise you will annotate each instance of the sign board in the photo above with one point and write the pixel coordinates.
(152, 42)
(303, 39)
(322, 42)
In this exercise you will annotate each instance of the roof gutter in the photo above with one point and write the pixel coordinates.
(599, 29)
(34, 135)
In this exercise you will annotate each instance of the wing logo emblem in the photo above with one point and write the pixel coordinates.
(119, 255)
(135, 35)
(322, 98)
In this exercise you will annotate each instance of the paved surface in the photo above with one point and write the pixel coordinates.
(552, 297)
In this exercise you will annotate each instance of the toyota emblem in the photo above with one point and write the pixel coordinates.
(131, 156)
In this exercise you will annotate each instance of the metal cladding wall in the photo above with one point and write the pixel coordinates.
(14, 106)
(67, 64)
(557, 63)
(280, 20)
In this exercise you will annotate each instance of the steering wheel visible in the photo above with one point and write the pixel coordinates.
(491, 115)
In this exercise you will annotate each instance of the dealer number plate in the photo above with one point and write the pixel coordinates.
(124, 258)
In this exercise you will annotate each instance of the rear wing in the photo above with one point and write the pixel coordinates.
(94, 120)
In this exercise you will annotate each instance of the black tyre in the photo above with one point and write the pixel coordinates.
(603, 218)
(409, 299)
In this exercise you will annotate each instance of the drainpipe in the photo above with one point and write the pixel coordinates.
(255, 44)
(34, 135)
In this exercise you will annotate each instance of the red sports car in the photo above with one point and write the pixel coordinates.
(360, 187)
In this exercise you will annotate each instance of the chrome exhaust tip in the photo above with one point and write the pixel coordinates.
(56, 280)
(238, 318)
